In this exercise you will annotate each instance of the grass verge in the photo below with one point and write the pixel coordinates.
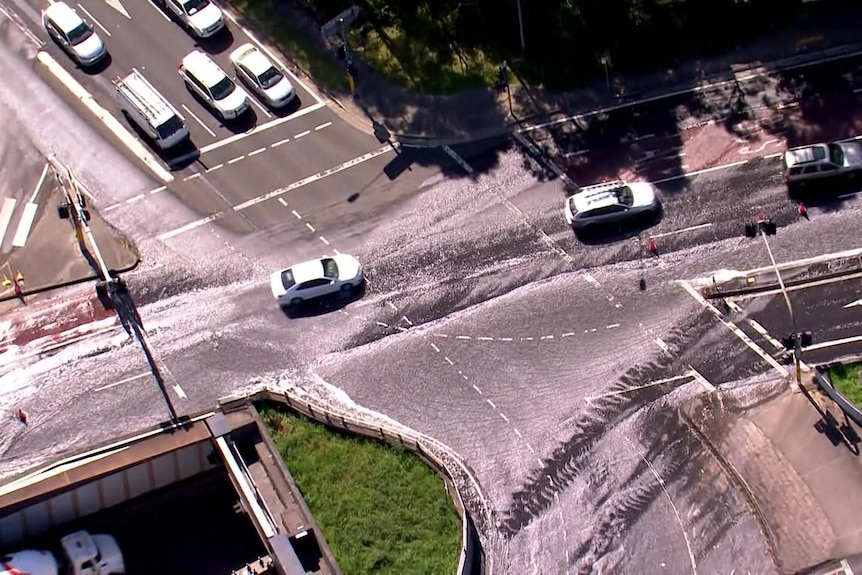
(307, 56)
(845, 378)
(381, 509)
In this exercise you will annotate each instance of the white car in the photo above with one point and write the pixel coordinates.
(340, 273)
(202, 17)
(205, 78)
(613, 203)
(74, 34)
(258, 72)
(821, 161)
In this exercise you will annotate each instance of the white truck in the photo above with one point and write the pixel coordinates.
(83, 554)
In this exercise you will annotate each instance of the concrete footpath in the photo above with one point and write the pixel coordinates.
(801, 480)
(52, 257)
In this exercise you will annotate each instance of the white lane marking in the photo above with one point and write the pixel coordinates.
(324, 240)
(259, 129)
(278, 192)
(449, 361)
(214, 168)
(24, 225)
(435, 348)
(479, 391)
(591, 279)
(260, 107)
(518, 433)
(256, 152)
(856, 303)
(702, 380)
(833, 343)
(491, 403)
(280, 142)
(122, 381)
(158, 190)
(503, 416)
(700, 172)
(201, 122)
(301, 134)
(297, 214)
(660, 342)
(612, 326)
(39, 183)
(310, 227)
(850, 195)
(272, 56)
(131, 142)
(137, 198)
(192, 177)
(282, 202)
(683, 230)
(95, 21)
(159, 10)
(118, 6)
(735, 329)
(756, 326)
(320, 127)
(179, 391)
(235, 160)
(643, 386)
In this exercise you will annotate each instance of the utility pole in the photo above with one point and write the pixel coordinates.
(521, 28)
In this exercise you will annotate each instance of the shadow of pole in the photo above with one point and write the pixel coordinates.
(130, 319)
(828, 424)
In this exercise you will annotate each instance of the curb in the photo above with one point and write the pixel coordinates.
(43, 289)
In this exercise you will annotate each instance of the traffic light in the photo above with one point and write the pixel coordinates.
(767, 226)
(789, 341)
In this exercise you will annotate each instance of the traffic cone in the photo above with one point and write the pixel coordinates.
(803, 211)
(652, 247)
(23, 416)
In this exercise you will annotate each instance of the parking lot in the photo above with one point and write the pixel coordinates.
(190, 527)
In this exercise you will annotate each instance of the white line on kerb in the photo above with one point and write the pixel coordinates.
(131, 142)
(279, 192)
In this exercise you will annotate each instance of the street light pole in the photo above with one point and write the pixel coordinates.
(607, 73)
(521, 27)
(797, 346)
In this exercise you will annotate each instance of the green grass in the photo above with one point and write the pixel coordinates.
(381, 509)
(414, 62)
(307, 56)
(845, 378)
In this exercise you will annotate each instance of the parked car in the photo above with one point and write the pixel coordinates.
(262, 76)
(340, 273)
(202, 17)
(614, 203)
(817, 162)
(73, 34)
(206, 79)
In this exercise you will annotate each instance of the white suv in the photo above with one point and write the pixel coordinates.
(75, 35)
(202, 17)
(613, 203)
(821, 161)
(207, 80)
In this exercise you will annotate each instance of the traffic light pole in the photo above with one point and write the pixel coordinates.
(81, 220)
(797, 346)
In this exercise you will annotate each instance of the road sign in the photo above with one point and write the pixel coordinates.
(344, 19)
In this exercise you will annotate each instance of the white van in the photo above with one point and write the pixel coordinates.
(146, 107)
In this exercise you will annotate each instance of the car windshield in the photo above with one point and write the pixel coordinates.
(223, 88)
(330, 268)
(192, 7)
(287, 279)
(171, 127)
(625, 196)
(836, 154)
(80, 33)
(270, 78)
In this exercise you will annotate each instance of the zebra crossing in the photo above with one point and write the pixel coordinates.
(17, 216)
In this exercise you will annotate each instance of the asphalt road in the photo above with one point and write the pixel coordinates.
(485, 324)
(831, 312)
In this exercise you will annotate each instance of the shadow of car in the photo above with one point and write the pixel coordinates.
(602, 234)
(324, 304)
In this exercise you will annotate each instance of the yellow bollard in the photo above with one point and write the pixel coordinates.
(6, 282)
(19, 278)
(351, 83)
(79, 233)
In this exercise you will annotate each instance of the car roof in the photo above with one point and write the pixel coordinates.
(806, 154)
(598, 196)
(64, 16)
(203, 68)
(306, 271)
(253, 59)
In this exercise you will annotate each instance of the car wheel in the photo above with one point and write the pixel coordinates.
(296, 301)
(347, 289)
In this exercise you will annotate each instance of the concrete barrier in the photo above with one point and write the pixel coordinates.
(461, 484)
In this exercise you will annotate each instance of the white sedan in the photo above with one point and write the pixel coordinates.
(262, 76)
(340, 273)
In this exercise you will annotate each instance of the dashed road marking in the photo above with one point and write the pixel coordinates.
(237, 159)
(134, 199)
(214, 168)
(491, 403)
(435, 348)
(324, 240)
(282, 202)
(322, 126)
(280, 142)
(256, 152)
(511, 339)
(297, 214)
(192, 177)
(382, 324)
(180, 392)
(302, 134)
(479, 391)
(310, 227)
(158, 190)
(518, 433)
(449, 361)
(504, 418)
